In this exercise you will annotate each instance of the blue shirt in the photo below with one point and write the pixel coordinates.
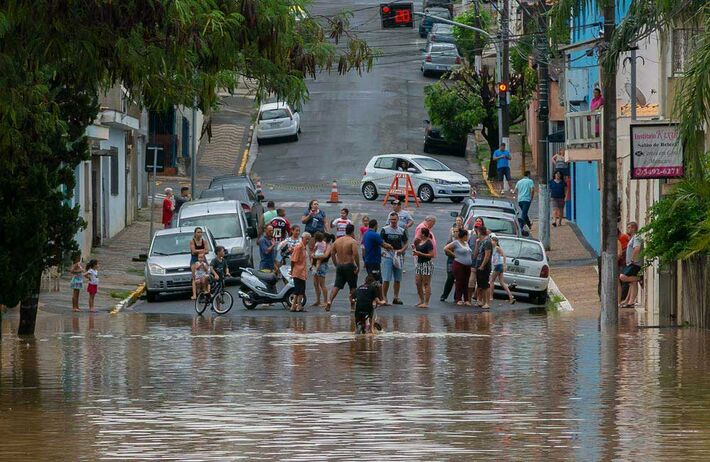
(557, 190)
(372, 241)
(524, 188)
(503, 158)
(267, 259)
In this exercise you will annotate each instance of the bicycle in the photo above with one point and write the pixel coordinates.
(218, 299)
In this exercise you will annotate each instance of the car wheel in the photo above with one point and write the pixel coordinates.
(426, 148)
(425, 73)
(456, 200)
(426, 193)
(259, 141)
(151, 296)
(369, 191)
(539, 298)
(294, 137)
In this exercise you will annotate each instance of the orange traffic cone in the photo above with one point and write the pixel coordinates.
(334, 199)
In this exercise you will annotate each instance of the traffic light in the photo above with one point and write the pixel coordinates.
(397, 14)
(502, 87)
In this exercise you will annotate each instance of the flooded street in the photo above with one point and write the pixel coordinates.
(451, 386)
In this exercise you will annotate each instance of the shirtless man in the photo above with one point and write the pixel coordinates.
(347, 265)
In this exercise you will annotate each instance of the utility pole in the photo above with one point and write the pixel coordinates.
(193, 162)
(610, 206)
(543, 114)
(505, 77)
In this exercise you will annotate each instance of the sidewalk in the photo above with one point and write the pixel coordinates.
(572, 263)
(223, 152)
(120, 275)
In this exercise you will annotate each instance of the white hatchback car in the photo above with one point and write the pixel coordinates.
(527, 268)
(277, 120)
(430, 178)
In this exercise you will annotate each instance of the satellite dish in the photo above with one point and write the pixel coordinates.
(640, 97)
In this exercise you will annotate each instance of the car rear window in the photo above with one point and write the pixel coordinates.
(522, 250)
(281, 113)
(222, 226)
(494, 225)
(231, 194)
(171, 244)
(442, 48)
(443, 29)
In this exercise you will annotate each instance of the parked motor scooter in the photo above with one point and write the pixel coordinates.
(260, 287)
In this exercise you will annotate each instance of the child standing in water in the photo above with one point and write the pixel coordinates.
(77, 280)
(92, 274)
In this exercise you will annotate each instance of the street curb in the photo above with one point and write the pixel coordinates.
(491, 189)
(252, 151)
(130, 300)
(564, 305)
(244, 165)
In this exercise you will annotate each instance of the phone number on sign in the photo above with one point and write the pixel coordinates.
(657, 172)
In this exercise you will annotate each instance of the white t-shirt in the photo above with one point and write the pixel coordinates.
(340, 224)
(93, 277)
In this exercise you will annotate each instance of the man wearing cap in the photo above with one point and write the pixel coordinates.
(396, 237)
(405, 218)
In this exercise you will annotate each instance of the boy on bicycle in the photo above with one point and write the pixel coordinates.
(219, 267)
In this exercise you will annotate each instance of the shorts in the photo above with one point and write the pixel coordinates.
(504, 172)
(389, 272)
(299, 286)
(374, 270)
(322, 269)
(558, 203)
(498, 268)
(345, 274)
(92, 289)
(425, 268)
(632, 270)
(361, 320)
(483, 277)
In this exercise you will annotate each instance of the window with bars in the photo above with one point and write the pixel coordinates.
(684, 42)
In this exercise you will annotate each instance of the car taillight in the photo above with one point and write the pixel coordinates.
(364, 173)
(427, 58)
(458, 60)
(545, 271)
(246, 207)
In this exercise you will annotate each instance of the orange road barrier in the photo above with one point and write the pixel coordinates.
(406, 190)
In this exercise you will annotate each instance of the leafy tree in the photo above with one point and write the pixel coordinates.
(57, 56)
(471, 43)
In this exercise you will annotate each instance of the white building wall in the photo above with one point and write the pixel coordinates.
(115, 212)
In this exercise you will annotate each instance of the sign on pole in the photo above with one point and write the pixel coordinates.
(656, 151)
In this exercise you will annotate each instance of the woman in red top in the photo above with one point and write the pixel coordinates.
(168, 207)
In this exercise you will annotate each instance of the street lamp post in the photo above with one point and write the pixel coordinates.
(498, 58)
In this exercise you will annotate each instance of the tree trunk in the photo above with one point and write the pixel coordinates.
(28, 310)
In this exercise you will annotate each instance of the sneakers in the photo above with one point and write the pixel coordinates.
(397, 301)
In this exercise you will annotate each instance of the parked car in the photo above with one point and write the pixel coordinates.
(426, 23)
(439, 58)
(435, 141)
(527, 268)
(228, 222)
(497, 204)
(430, 178)
(447, 4)
(500, 223)
(231, 179)
(246, 196)
(441, 33)
(167, 269)
(277, 120)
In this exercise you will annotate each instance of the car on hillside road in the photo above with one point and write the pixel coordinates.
(439, 58)
(277, 120)
(483, 203)
(246, 196)
(441, 33)
(426, 23)
(431, 179)
(434, 141)
(167, 269)
(500, 223)
(527, 269)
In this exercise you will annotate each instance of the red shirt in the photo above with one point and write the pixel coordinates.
(418, 231)
(167, 211)
(283, 226)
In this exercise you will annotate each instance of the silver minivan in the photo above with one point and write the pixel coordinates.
(228, 223)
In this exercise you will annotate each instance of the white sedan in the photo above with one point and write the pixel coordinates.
(277, 120)
(430, 178)
(527, 269)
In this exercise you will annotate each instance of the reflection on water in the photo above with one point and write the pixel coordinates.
(455, 387)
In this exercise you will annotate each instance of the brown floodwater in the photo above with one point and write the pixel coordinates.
(439, 387)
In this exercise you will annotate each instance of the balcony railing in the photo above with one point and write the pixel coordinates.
(583, 139)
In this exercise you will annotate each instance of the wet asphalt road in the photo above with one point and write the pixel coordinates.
(347, 120)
